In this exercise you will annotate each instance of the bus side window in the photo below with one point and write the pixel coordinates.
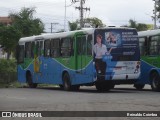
(33, 49)
(147, 43)
(154, 45)
(28, 49)
(20, 54)
(89, 45)
(158, 45)
(47, 48)
(40, 48)
(142, 46)
(146, 46)
(81, 44)
(55, 48)
(66, 47)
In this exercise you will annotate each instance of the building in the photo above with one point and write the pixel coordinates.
(5, 20)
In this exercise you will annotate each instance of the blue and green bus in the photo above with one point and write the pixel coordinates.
(149, 42)
(68, 59)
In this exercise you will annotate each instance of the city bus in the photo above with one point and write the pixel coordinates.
(68, 59)
(149, 42)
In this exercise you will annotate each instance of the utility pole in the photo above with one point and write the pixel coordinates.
(65, 17)
(52, 26)
(156, 5)
(155, 16)
(81, 9)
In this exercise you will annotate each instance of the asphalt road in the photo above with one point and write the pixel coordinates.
(122, 98)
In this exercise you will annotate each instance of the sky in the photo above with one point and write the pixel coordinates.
(111, 12)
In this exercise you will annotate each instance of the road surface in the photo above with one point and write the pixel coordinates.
(122, 98)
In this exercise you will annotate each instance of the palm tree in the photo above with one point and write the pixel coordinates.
(25, 22)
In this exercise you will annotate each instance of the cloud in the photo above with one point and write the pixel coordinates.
(111, 12)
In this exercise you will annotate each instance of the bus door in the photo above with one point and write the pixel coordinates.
(46, 61)
(83, 58)
(38, 53)
(81, 53)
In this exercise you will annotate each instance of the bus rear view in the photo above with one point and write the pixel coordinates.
(116, 56)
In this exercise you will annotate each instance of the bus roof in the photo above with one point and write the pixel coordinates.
(52, 35)
(149, 33)
(123, 28)
(65, 34)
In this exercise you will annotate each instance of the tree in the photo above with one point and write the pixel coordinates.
(157, 9)
(132, 23)
(138, 26)
(94, 22)
(25, 22)
(73, 26)
(9, 37)
(142, 27)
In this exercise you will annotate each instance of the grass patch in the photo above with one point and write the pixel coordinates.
(47, 85)
(10, 85)
(23, 85)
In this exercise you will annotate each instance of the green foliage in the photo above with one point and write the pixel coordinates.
(138, 26)
(25, 22)
(7, 66)
(9, 37)
(132, 23)
(93, 21)
(7, 73)
(73, 26)
(142, 27)
(158, 9)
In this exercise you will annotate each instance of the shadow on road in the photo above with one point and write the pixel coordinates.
(93, 90)
(133, 89)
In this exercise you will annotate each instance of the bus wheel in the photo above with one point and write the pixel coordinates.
(139, 86)
(155, 82)
(61, 87)
(30, 82)
(100, 86)
(75, 87)
(66, 82)
(109, 86)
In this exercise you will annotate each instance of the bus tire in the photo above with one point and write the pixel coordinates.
(139, 86)
(66, 82)
(61, 87)
(100, 86)
(112, 86)
(30, 82)
(109, 86)
(155, 81)
(75, 87)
